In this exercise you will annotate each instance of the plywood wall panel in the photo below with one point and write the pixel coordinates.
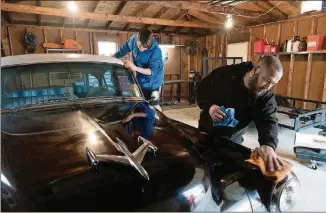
(318, 73)
(4, 32)
(282, 84)
(287, 31)
(299, 73)
(16, 35)
(53, 36)
(258, 33)
(83, 38)
(271, 32)
(304, 27)
(68, 34)
(321, 29)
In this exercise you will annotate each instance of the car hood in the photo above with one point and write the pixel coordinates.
(44, 157)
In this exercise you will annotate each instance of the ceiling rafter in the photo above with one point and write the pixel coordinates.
(205, 17)
(224, 10)
(158, 15)
(30, 9)
(266, 5)
(117, 12)
(179, 16)
(88, 21)
(138, 13)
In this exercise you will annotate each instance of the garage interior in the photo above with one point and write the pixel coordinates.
(196, 37)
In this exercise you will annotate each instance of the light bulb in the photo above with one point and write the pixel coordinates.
(72, 6)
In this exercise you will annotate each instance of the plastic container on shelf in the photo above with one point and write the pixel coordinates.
(259, 45)
(315, 42)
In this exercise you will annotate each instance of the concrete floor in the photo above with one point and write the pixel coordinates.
(312, 182)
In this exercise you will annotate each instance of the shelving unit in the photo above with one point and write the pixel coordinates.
(294, 53)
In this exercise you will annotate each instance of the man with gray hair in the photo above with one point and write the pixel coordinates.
(233, 96)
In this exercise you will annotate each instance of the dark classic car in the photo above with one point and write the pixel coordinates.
(77, 135)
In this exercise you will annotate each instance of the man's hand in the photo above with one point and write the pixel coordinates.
(128, 118)
(130, 65)
(269, 156)
(216, 114)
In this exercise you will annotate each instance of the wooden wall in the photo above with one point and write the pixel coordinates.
(179, 61)
(304, 75)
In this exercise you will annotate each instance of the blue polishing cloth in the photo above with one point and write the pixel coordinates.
(229, 120)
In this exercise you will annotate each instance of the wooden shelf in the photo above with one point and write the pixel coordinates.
(296, 53)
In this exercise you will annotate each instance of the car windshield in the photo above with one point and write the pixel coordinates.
(57, 82)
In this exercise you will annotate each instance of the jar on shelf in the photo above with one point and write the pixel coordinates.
(303, 44)
(296, 44)
(283, 46)
(289, 45)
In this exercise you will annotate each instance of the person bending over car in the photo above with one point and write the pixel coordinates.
(147, 64)
(233, 96)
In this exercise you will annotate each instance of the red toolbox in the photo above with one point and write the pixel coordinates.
(315, 42)
(259, 46)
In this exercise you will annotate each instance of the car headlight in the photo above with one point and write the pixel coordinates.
(285, 194)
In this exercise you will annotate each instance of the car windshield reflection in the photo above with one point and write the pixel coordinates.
(58, 82)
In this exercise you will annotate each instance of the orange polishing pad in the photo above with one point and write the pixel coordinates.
(276, 175)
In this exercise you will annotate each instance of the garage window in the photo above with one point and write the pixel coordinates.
(107, 48)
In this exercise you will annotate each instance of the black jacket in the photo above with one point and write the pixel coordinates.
(224, 86)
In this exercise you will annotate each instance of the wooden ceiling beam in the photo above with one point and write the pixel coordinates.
(84, 29)
(88, 21)
(266, 5)
(117, 12)
(138, 13)
(88, 15)
(159, 15)
(177, 17)
(192, 5)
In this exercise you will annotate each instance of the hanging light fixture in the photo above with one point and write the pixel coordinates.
(72, 6)
(229, 22)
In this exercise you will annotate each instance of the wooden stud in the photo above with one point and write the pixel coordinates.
(324, 90)
(61, 36)
(10, 42)
(91, 41)
(95, 16)
(45, 40)
(309, 65)
(278, 42)
(289, 87)
(250, 44)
